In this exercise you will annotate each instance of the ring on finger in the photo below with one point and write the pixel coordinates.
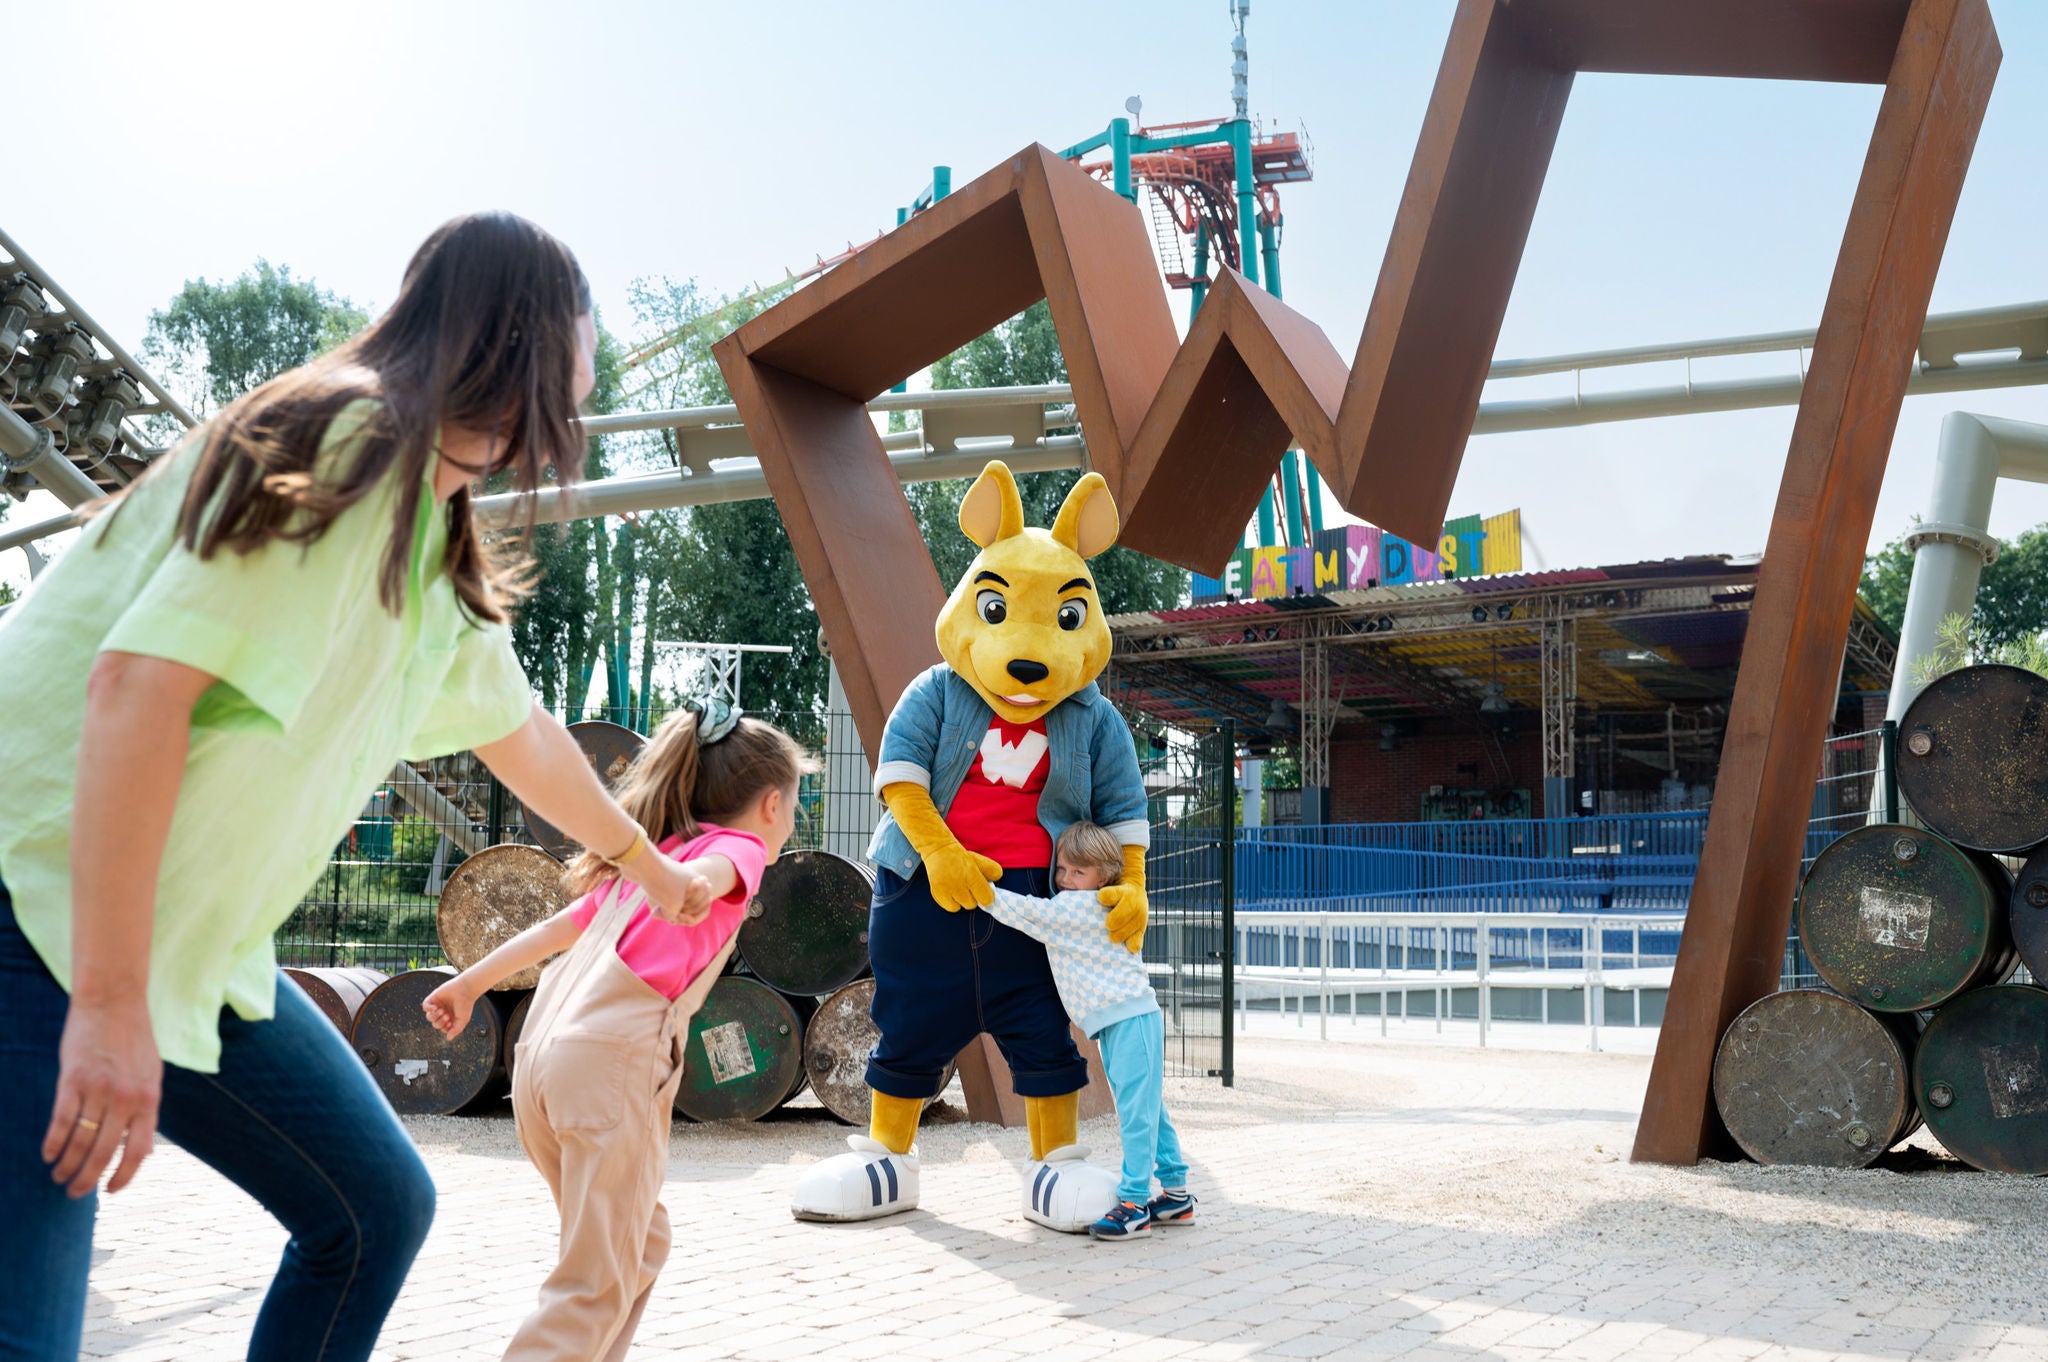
(85, 1123)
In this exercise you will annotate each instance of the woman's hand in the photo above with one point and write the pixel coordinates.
(676, 892)
(448, 1007)
(109, 1078)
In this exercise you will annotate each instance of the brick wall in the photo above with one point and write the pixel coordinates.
(1371, 786)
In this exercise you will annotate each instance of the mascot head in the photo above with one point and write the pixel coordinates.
(1024, 626)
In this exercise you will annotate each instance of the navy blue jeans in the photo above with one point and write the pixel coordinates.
(292, 1118)
(942, 978)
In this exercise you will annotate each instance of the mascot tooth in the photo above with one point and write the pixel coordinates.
(985, 760)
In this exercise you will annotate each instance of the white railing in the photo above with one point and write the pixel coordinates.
(1327, 955)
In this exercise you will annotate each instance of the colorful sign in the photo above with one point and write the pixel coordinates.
(1360, 556)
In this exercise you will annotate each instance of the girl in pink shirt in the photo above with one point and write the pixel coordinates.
(598, 1063)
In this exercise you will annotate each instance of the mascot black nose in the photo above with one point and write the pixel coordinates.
(1028, 671)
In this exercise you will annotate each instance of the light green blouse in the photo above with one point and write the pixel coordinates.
(321, 691)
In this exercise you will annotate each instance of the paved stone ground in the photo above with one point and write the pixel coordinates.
(1367, 1199)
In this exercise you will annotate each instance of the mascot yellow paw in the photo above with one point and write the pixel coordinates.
(1128, 913)
(962, 879)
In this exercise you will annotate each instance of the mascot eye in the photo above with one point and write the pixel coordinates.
(1073, 614)
(991, 606)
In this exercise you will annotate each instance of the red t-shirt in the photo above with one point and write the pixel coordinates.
(669, 955)
(996, 811)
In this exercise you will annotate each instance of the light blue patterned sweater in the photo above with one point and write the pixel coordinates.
(1100, 980)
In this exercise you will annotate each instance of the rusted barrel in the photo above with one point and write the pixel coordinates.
(610, 749)
(1981, 1077)
(744, 1056)
(515, 1026)
(338, 992)
(1973, 758)
(807, 930)
(1808, 1077)
(2028, 917)
(422, 1072)
(491, 898)
(1900, 920)
(837, 1045)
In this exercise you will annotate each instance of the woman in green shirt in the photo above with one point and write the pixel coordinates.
(200, 694)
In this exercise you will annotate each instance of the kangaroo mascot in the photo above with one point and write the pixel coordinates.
(985, 760)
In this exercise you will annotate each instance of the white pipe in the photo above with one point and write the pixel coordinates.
(1953, 545)
(30, 448)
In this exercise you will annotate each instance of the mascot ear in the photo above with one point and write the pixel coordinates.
(1087, 521)
(992, 510)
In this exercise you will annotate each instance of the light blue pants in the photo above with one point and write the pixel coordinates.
(1134, 1058)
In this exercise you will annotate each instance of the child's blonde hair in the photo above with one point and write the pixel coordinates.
(676, 783)
(1093, 847)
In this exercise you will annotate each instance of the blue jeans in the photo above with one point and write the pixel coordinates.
(1134, 1062)
(292, 1118)
(943, 978)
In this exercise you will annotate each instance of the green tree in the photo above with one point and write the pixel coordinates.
(2012, 594)
(1026, 351)
(721, 573)
(217, 341)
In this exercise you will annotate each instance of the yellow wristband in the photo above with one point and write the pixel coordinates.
(618, 862)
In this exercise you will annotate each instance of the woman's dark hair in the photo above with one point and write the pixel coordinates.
(482, 336)
(678, 783)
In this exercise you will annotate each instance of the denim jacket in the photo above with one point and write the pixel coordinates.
(938, 725)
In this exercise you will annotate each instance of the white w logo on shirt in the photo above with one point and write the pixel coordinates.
(1007, 764)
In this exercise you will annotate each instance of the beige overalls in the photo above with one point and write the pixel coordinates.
(593, 1078)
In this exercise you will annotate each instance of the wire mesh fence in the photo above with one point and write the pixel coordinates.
(375, 903)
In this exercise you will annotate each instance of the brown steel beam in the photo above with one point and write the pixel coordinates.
(1162, 428)
(1734, 940)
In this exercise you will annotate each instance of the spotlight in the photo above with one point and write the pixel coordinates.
(1479, 614)
(1494, 700)
(1281, 717)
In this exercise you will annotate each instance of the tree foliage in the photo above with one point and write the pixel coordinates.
(217, 341)
(1025, 351)
(2012, 593)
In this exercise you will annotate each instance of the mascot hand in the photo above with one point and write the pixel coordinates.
(959, 878)
(1128, 907)
(1128, 912)
(962, 879)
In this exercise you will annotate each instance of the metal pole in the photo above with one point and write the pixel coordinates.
(31, 448)
(1229, 876)
(1247, 199)
(1596, 989)
(1323, 960)
(1888, 754)
(1269, 253)
(1199, 289)
(1482, 948)
(1120, 157)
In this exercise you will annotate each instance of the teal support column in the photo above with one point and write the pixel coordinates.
(1120, 157)
(1315, 499)
(1290, 487)
(1269, 252)
(942, 182)
(1200, 287)
(1266, 536)
(1247, 200)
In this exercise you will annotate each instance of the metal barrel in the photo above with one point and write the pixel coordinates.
(1973, 758)
(515, 1026)
(338, 992)
(837, 1045)
(2028, 917)
(744, 1055)
(807, 929)
(491, 898)
(610, 749)
(1808, 1077)
(1901, 920)
(1979, 1076)
(422, 1072)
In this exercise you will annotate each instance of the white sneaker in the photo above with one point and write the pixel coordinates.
(861, 1185)
(1065, 1192)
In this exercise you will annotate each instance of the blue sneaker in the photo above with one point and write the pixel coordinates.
(1126, 1220)
(1173, 1208)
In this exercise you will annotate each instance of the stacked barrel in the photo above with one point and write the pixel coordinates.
(1917, 931)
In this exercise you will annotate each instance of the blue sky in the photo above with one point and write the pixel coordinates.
(730, 142)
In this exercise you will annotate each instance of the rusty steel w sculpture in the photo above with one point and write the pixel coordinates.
(1188, 434)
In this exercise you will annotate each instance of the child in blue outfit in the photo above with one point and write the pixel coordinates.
(1107, 993)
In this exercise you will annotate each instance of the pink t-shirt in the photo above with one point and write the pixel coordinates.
(669, 955)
